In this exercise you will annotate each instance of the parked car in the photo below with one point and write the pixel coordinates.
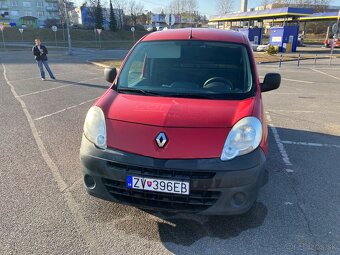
(263, 47)
(182, 128)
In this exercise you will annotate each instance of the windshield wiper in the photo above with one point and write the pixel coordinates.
(137, 91)
(199, 96)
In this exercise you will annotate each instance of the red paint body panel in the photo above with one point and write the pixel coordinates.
(183, 143)
(195, 128)
(198, 34)
(175, 112)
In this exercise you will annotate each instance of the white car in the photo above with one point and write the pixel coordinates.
(262, 47)
(150, 29)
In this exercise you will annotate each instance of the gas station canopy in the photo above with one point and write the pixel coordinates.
(320, 16)
(284, 12)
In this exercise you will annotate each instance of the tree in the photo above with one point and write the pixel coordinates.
(183, 6)
(224, 6)
(99, 16)
(121, 6)
(265, 3)
(187, 9)
(61, 8)
(135, 10)
(113, 21)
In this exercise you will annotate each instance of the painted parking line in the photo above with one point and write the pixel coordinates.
(297, 111)
(286, 79)
(303, 94)
(312, 144)
(280, 145)
(329, 75)
(56, 74)
(65, 109)
(59, 87)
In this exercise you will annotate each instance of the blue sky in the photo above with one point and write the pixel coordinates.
(206, 7)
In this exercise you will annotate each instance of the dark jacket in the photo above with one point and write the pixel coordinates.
(37, 53)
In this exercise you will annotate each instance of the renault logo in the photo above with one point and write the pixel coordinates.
(161, 139)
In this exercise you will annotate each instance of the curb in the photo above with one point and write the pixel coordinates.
(97, 64)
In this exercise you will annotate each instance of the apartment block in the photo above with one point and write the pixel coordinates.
(29, 13)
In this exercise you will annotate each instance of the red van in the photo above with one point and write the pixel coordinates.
(182, 127)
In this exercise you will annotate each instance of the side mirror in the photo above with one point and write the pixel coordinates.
(271, 81)
(110, 74)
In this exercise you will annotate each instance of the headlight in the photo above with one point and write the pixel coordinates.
(95, 127)
(244, 137)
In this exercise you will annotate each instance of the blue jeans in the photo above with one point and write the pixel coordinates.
(45, 63)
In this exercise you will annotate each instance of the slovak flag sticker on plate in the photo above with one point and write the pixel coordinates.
(129, 181)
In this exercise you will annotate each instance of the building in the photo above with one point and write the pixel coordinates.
(244, 4)
(84, 17)
(29, 13)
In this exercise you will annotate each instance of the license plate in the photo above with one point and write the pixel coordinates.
(158, 185)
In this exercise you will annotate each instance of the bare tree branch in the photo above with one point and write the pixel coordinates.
(224, 6)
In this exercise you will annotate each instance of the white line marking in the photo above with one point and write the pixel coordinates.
(303, 94)
(318, 71)
(286, 79)
(279, 143)
(59, 87)
(44, 90)
(61, 184)
(317, 112)
(38, 77)
(65, 109)
(312, 144)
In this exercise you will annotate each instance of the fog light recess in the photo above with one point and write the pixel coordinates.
(239, 198)
(90, 183)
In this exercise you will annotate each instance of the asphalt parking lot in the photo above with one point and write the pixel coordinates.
(45, 209)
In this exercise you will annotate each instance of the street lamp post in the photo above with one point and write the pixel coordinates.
(69, 52)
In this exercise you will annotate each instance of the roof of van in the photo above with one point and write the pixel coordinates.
(202, 34)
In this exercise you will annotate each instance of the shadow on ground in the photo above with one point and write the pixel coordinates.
(186, 231)
(79, 84)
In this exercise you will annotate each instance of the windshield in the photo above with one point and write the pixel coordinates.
(193, 69)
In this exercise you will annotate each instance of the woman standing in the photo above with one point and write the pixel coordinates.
(40, 52)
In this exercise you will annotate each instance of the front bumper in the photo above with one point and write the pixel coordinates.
(216, 187)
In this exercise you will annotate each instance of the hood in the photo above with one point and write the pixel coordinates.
(174, 112)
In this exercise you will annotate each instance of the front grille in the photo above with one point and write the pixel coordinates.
(160, 173)
(195, 202)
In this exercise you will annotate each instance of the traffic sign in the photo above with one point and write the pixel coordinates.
(21, 30)
(133, 33)
(170, 19)
(99, 31)
(2, 27)
(335, 28)
(54, 28)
